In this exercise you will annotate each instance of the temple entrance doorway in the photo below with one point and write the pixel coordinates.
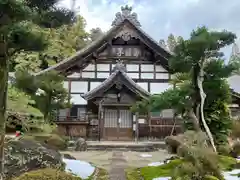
(118, 124)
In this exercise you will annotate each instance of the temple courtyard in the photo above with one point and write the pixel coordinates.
(104, 159)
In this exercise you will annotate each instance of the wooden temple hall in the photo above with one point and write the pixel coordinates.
(107, 77)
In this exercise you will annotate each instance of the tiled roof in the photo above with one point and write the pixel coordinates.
(103, 40)
(109, 82)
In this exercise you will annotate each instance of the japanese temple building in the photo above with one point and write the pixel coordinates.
(107, 77)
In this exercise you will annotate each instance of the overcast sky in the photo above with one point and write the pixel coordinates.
(159, 18)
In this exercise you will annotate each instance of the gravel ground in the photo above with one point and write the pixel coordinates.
(103, 158)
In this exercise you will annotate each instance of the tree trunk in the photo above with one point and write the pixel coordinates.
(3, 98)
(203, 97)
(194, 119)
(48, 106)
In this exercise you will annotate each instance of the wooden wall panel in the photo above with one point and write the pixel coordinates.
(159, 129)
(78, 130)
(73, 130)
(62, 130)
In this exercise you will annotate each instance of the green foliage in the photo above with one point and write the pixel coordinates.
(224, 149)
(219, 120)
(19, 33)
(48, 15)
(53, 141)
(53, 95)
(47, 174)
(201, 50)
(25, 36)
(21, 102)
(101, 175)
(236, 149)
(235, 129)
(61, 43)
(190, 138)
(198, 162)
(133, 174)
(198, 159)
(57, 142)
(224, 163)
(21, 111)
(151, 172)
(25, 60)
(202, 45)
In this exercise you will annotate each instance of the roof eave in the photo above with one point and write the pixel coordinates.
(108, 84)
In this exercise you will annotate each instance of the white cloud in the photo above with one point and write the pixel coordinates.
(159, 18)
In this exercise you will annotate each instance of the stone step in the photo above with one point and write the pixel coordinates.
(123, 146)
(120, 149)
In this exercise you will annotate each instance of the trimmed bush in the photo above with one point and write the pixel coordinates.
(172, 143)
(236, 129)
(57, 142)
(198, 162)
(53, 141)
(47, 174)
(189, 138)
(224, 149)
(236, 149)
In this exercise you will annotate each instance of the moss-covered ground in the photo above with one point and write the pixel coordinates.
(151, 172)
(99, 174)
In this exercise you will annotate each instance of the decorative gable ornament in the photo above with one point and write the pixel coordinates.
(126, 14)
(235, 50)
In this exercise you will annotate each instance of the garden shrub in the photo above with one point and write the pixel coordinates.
(53, 141)
(236, 149)
(190, 138)
(226, 163)
(224, 149)
(197, 163)
(57, 142)
(236, 129)
(47, 174)
(198, 159)
(172, 143)
(193, 167)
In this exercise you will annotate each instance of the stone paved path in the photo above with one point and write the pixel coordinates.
(118, 166)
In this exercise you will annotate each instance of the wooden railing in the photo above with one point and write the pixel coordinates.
(71, 118)
(82, 117)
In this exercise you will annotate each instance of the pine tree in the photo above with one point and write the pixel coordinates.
(16, 18)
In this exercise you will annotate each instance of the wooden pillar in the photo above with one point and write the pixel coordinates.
(57, 115)
(149, 125)
(137, 128)
(100, 111)
(118, 122)
(69, 98)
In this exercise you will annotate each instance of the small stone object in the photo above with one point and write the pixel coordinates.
(146, 155)
(71, 143)
(81, 145)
